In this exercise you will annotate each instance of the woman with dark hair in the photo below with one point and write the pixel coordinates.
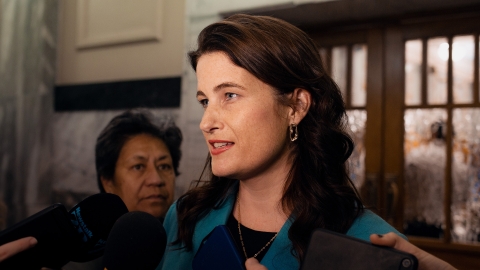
(137, 159)
(275, 125)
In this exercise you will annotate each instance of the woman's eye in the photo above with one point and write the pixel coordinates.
(164, 167)
(230, 95)
(138, 167)
(203, 102)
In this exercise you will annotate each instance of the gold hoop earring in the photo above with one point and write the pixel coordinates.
(293, 132)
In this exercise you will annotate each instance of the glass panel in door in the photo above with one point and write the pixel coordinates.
(339, 67)
(425, 160)
(437, 57)
(413, 72)
(465, 205)
(463, 54)
(357, 120)
(359, 75)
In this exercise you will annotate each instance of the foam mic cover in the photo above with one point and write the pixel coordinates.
(137, 241)
(63, 236)
(93, 218)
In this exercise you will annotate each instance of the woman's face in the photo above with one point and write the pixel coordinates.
(244, 125)
(144, 176)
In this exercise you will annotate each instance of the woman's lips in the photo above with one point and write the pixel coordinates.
(158, 197)
(219, 147)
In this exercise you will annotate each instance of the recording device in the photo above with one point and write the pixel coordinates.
(54, 232)
(218, 251)
(331, 250)
(136, 241)
(78, 235)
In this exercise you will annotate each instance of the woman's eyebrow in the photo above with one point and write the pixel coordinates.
(137, 157)
(160, 158)
(143, 158)
(200, 93)
(227, 85)
(222, 86)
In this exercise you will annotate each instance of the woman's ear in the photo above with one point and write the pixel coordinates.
(108, 185)
(301, 101)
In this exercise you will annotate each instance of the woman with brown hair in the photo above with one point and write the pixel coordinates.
(275, 126)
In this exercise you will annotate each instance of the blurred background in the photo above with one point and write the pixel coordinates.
(408, 70)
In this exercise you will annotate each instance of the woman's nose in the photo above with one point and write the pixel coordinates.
(210, 120)
(154, 177)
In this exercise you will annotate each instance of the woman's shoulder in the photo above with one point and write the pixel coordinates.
(172, 210)
(170, 223)
(368, 223)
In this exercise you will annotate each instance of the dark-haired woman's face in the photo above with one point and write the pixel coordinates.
(244, 125)
(144, 176)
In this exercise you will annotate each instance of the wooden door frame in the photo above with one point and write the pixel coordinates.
(393, 128)
(375, 120)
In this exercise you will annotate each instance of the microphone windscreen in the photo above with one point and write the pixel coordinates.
(136, 241)
(93, 218)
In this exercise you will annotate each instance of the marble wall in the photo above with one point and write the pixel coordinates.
(27, 70)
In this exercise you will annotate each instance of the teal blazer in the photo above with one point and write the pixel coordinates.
(279, 254)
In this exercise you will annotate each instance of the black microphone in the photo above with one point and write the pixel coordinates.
(137, 241)
(78, 235)
(93, 218)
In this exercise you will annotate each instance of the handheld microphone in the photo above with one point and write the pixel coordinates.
(137, 241)
(78, 235)
(93, 218)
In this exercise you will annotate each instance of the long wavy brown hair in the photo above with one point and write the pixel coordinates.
(318, 191)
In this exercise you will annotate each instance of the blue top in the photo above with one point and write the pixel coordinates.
(278, 255)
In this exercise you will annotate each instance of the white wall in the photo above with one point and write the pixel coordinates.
(119, 61)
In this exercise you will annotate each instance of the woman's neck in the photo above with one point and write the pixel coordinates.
(267, 183)
(260, 196)
(260, 200)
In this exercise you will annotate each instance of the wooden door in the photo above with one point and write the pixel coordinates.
(393, 183)
(432, 117)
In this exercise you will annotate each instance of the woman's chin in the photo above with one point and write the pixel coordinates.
(155, 211)
(223, 173)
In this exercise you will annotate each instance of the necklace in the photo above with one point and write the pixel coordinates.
(241, 238)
